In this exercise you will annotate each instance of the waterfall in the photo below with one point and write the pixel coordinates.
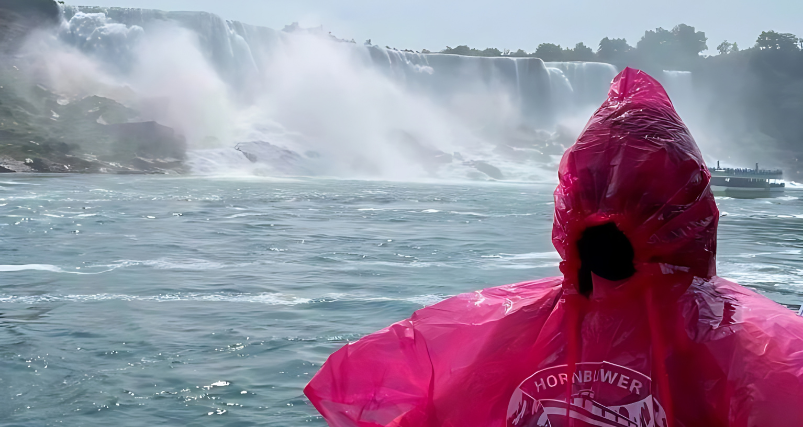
(679, 85)
(589, 80)
(341, 108)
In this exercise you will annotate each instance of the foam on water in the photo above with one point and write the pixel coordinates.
(174, 264)
(531, 255)
(40, 267)
(263, 298)
(763, 275)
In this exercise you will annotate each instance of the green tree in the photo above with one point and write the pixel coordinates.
(459, 50)
(725, 48)
(549, 52)
(611, 50)
(688, 41)
(658, 42)
(771, 40)
(491, 51)
(581, 52)
(679, 48)
(520, 53)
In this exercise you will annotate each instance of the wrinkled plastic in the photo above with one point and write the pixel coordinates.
(673, 345)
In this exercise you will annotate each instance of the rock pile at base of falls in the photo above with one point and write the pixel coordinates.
(280, 160)
(41, 131)
(277, 160)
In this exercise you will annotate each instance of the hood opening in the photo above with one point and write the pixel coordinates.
(605, 251)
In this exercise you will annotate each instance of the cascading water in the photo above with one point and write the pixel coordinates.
(302, 102)
(680, 85)
(586, 79)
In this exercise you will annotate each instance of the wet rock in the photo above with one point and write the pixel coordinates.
(280, 159)
(250, 156)
(40, 165)
(148, 140)
(430, 158)
(487, 169)
(66, 164)
(13, 165)
(41, 132)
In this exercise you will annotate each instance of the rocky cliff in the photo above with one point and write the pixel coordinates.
(41, 131)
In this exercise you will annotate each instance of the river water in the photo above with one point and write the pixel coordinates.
(145, 300)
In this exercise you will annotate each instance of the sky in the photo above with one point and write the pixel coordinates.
(504, 24)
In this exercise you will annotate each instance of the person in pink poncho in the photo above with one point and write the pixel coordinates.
(639, 331)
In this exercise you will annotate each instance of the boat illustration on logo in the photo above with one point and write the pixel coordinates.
(602, 395)
(582, 408)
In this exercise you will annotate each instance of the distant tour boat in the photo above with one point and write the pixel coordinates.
(743, 182)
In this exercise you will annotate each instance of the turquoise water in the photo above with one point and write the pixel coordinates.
(150, 300)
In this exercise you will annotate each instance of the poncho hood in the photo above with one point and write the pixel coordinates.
(636, 165)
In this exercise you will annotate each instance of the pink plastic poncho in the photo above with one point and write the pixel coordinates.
(673, 345)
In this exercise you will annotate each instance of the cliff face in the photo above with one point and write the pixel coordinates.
(43, 132)
(19, 17)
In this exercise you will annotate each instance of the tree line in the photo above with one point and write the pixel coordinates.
(678, 48)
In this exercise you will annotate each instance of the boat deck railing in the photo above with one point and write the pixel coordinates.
(745, 172)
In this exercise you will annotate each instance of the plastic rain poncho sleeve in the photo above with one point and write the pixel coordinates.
(672, 345)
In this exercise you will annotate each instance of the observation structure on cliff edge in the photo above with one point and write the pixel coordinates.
(746, 183)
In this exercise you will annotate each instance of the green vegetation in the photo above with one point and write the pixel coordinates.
(467, 51)
(677, 47)
(545, 51)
